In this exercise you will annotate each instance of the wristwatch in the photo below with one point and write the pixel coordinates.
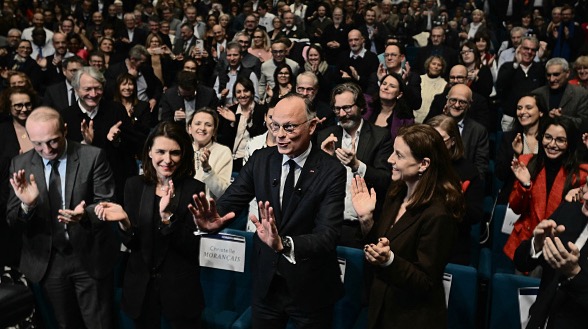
(286, 244)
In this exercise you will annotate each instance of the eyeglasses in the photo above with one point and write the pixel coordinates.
(288, 127)
(453, 101)
(346, 108)
(554, 74)
(463, 52)
(278, 52)
(559, 141)
(20, 106)
(303, 89)
(528, 49)
(391, 55)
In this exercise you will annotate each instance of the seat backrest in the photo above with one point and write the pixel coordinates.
(463, 296)
(504, 306)
(348, 307)
(500, 262)
(228, 290)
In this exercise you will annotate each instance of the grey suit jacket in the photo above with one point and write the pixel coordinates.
(475, 142)
(88, 178)
(573, 103)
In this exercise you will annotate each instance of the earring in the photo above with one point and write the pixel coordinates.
(420, 174)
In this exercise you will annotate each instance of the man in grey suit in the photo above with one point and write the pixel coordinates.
(562, 98)
(473, 134)
(66, 248)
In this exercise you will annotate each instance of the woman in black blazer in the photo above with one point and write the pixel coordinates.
(162, 274)
(241, 121)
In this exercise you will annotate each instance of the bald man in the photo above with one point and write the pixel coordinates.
(473, 134)
(359, 63)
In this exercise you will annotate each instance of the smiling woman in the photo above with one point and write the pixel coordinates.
(162, 276)
(214, 161)
(549, 175)
(410, 242)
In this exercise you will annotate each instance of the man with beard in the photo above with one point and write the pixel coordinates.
(473, 134)
(563, 99)
(334, 37)
(362, 147)
(374, 33)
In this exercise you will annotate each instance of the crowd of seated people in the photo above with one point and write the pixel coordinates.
(505, 88)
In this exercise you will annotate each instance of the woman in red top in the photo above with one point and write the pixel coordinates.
(543, 180)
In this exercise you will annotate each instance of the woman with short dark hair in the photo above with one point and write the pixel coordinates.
(162, 275)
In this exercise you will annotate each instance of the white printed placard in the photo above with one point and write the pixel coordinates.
(509, 220)
(223, 251)
(342, 266)
(527, 297)
(447, 278)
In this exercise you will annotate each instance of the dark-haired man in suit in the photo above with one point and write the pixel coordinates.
(301, 195)
(66, 248)
(362, 147)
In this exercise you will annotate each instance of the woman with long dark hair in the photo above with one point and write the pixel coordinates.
(389, 109)
(479, 76)
(543, 180)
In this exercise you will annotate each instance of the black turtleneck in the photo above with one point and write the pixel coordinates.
(555, 96)
(552, 167)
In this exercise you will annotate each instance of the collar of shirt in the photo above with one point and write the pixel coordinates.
(361, 53)
(300, 160)
(240, 109)
(229, 68)
(91, 114)
(346, 140)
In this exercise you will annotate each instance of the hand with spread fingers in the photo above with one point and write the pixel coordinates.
(205, 214)
(74, 216)
(26, 192)
(266, 226)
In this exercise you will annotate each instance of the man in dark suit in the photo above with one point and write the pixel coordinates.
(478, 111)
(98, 121)
(62, 95)
(562, 98)
(307, 86)
(473, 134)
(435, 47)
(358, 64)
(295, 263)
(51, 66)
(66, 248)
(185, 41)
(179, 102)
(559, 248)
(131, 35)
(362, 147)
